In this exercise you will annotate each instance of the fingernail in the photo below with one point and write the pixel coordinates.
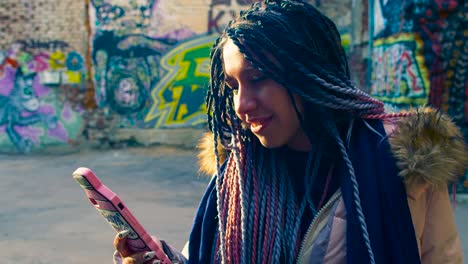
(124, 233)
(157, 261)
(149, 255)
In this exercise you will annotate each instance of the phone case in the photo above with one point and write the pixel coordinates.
(116, 213)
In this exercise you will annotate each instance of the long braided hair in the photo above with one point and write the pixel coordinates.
(259, 214)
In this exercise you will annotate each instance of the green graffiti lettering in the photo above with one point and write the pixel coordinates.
(179, 96)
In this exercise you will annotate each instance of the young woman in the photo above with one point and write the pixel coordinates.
(308, 168)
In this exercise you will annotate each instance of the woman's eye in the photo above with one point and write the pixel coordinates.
(258, 78)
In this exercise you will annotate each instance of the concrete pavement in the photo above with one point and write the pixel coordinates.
(46, 219)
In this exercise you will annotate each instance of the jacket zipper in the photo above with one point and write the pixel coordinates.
(330, 202)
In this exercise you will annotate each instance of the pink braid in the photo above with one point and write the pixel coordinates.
(386, 116)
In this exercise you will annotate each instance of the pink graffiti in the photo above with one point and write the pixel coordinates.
(446, 5)
(406, 58)
(41, 62)
(6, 83)
(66, 111)
(178, 34)
(46, 110)
(41, 90)
(396, 64)
(29, 132)
(58, 132)
(34, 133)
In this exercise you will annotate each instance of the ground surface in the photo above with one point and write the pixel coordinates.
(46, 219)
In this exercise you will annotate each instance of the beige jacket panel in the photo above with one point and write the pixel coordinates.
(435, 227)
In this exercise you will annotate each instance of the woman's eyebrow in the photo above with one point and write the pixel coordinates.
(245, 71)
(250, 71)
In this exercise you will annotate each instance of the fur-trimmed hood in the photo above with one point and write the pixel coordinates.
(428, 146)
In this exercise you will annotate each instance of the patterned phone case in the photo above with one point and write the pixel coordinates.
(116, 213)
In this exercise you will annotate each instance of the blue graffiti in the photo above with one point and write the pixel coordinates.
(126, 69)
(22, 100)
(74, 61)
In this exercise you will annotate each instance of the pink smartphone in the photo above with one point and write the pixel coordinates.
(117, 213)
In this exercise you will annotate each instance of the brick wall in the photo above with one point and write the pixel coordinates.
(42, 73)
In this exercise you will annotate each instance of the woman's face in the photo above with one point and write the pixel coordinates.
(262, 104)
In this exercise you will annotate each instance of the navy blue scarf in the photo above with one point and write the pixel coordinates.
(383, 200)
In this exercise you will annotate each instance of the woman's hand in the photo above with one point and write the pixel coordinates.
(123, 255)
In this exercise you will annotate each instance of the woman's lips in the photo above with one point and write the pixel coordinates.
(259, 124)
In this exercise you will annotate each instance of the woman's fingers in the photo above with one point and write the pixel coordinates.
(140, 258)
(120, 243)
(128, 257)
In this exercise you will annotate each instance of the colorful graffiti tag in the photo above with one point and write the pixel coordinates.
(416, 27)
(126, 49)
(399, 72)
(123, 16)
(31, 114)
(418, 57)
(124, 74)
(179, 96)
(221, 11)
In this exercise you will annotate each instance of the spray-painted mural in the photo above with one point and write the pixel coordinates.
(33, 75)
(179, 96)
(407, 63)
(400, 73)
(222, 11)
(126, 50)
(149, 74)
(419, 56)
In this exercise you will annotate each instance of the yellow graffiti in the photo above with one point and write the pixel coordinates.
(346, 41)
(203, 67)
(57, 60)
(72, 77)
(187, 70)
(399, 74)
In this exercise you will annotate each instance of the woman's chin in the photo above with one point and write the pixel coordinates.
(269, 143)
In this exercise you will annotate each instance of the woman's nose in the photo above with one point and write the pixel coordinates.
(245, 101)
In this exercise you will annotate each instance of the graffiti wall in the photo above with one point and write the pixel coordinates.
(150, 60)
(350, 18)
(42, 71)
(412, 50)
(401, 76)
(144, 63)
(419, 57)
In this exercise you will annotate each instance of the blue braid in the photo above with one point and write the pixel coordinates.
(289, 213)
(292, 216)
(220, 200)
(276, 188)
(357, 199)
(251, 207)
(262, 196)
(274, 210)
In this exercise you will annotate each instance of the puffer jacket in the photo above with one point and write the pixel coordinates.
(430, 153)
